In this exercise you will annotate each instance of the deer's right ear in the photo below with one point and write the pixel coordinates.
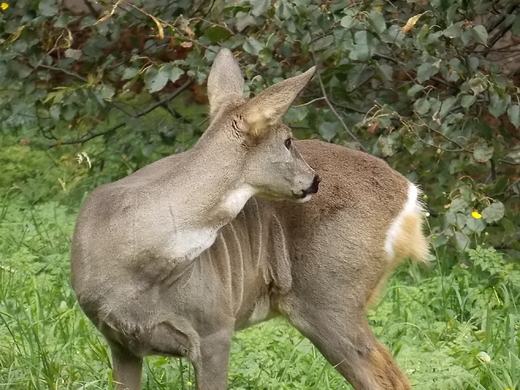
(264, 110)
(225, 79)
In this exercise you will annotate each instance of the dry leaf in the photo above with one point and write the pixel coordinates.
(411, 22)
(189, 31)
(107, 16)
(373, 127)
(159, 28)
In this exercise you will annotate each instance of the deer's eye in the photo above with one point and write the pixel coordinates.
(288, 143)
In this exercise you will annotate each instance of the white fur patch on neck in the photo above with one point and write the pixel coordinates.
(395, 230)
(190, 242)
(235, 200)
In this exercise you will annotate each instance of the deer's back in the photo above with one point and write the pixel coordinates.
(342, 234)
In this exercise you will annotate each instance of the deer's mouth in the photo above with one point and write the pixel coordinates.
(306, 195)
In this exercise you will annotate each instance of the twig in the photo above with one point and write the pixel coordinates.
(120, 108)
(508, 162)
(493, 24)
(348, 108)
(462, 148)
(64, 71)
(397, 62)
(121, 124)
(333, 109)
(312, 101)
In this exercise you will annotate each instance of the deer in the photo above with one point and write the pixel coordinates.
(247, 225)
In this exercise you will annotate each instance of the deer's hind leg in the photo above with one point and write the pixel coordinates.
(327, 302)
(347, 342)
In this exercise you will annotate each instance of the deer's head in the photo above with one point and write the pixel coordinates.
(271, 164)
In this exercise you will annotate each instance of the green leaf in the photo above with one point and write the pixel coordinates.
(386, 72)
(217, 33)
(259, 7)
(499, 104)
(422, 106)
(377, 22)
(475, 225)
(474, 63)
(172, 72)
(425, 72)
(155, 80)
(439, 241)
(494, 212)
(461, 220)
(478, 84)
(296, 114)
(323, 43)
(387, 146)
(515, 28)
(513, 111)
(414, 89)
(483, 153)
(252, 46)
(328, 130)
(348, 22)
(468, 100)
(446, 106)
(69, 112)
(130, 73)
(48, 8)
(462, 241)
(454, 31)
(458, 205)
(361, 50)
(480, 34)
(107, 92)
(55, 112)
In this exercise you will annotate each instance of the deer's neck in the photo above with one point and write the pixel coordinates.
(211, 194)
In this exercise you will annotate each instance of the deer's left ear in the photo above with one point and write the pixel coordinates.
(225, 80)
(268, 108)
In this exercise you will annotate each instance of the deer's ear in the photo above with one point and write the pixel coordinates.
(225, 79)
(269, 107)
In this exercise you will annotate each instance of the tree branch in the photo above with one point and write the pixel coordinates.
(334, 110)
(121, 124)
(183, 36)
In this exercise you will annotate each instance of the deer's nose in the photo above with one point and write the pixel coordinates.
(314, 186)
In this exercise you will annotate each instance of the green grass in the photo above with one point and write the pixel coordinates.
(438, 320)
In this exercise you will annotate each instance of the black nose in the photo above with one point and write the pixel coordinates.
(314, 186)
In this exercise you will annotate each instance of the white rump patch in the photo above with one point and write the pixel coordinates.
(411, 206)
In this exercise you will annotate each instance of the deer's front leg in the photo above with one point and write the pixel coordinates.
(211, 366)
(127, 368)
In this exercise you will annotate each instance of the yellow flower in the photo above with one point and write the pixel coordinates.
(476, 215)
(4, 6)
(190, 384)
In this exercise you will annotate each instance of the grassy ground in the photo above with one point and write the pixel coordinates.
(454, 325)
